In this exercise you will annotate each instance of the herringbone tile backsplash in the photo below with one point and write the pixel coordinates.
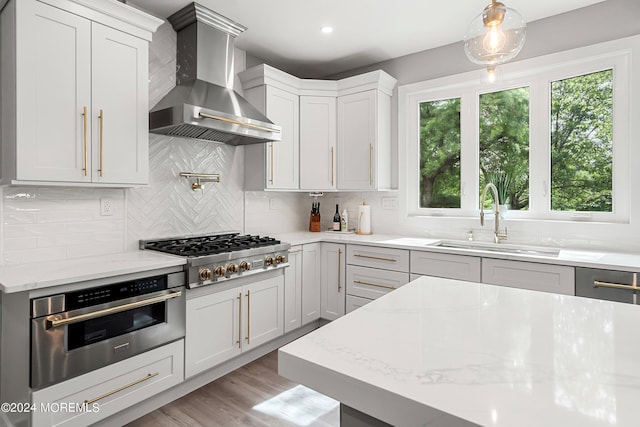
(168, 207)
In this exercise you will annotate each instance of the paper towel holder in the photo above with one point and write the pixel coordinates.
(359, 228)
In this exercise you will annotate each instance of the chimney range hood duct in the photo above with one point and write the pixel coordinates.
(203, 105)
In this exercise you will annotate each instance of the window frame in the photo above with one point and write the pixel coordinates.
(538, 74)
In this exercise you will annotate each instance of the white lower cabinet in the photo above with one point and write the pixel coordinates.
(534, 276)
(372, 283)
(293, 290)
(461, 267)
(94, 396)
(354, 303)
(223, 324)
(311, 268)
(332, 281)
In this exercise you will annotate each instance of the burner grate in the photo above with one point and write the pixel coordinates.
(210, 245)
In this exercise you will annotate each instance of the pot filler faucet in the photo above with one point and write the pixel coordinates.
(497, 236)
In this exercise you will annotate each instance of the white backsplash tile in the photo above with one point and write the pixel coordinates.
(168, 207)
(50, 223)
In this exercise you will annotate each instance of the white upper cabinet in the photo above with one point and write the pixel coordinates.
(341, 132)
(76, 86)
(364, 131)
(318, 151)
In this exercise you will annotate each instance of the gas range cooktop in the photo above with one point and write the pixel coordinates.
(219, 257)
(209, 245)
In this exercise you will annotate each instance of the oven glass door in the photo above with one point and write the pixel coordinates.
(112, 325)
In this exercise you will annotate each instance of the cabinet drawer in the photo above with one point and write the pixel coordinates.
(376, 257)
(356, 302)
(587, 286)
(529, 275)
(372, 283)
(461, 267)
(112, 388)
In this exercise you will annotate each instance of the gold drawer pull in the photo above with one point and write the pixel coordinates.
(598, 284)
(84, 138)
(54, 321)
(376, 257)
(118, 390)
(248, 317)
(360, 282)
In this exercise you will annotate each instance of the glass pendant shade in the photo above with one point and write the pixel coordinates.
(495, 36)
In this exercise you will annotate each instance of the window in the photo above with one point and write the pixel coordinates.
(440, 153)
(553, 136)
(582, 143)
(504, 145)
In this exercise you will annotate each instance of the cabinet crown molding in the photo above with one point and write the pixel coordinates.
(142, 24)
(264, 74)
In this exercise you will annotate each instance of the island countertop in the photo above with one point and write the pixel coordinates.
(451, 353)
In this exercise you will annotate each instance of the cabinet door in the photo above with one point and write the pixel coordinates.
(293, 290)
(311, 267)
(357, 141)
(282, 156)
(54, 88)
(212, 330)
(120, 111)
(264, 302)
(318, 143)
(529, 275)
(332, 281)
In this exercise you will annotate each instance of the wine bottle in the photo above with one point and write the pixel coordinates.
(336, 220)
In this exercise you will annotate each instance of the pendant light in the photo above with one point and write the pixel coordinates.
(495, 36)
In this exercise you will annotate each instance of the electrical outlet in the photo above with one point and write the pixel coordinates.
(337, 201)
(106, 206)
(389, 203)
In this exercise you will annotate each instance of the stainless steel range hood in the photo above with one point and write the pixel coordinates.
(203, 105)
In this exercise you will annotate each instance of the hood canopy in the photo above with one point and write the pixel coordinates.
(203, 105)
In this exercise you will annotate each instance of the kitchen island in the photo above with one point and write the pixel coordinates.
(451, 353)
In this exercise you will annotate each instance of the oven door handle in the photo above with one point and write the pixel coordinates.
(57, 320)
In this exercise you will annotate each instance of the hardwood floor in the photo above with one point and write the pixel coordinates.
(253, 395)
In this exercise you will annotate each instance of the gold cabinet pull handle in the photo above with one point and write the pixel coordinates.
(376, 257)
(272, 163)
(248, 317)
(84, 137)
(101, 120)
(239, 123)
(239, 342)
(370, 164)
(632, 287)
(361, 282)
(339, 273)
(55, 320)
(119, 389)
(332, 167)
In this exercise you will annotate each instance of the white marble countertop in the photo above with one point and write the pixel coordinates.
(566, 256)
(25, 277)
(450, 353)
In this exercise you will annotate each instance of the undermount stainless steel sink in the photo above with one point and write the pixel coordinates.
(499, 247)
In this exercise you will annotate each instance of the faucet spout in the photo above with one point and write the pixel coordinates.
(497, 236)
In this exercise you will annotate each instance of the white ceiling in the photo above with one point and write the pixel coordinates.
(286, 33)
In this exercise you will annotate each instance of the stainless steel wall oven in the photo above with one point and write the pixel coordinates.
(75, 332)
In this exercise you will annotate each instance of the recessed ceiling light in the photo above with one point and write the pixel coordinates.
(327, 29)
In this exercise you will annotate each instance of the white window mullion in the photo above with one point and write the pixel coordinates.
(470, 170)
(539, 149)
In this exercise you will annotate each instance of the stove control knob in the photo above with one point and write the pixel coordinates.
(232, 268)
(219, 271)
(205, 274)
(280, 259)
(268, 261)
(245, 266)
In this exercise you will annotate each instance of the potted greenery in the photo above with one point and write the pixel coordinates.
(502, 181)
